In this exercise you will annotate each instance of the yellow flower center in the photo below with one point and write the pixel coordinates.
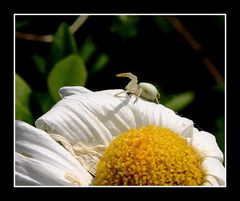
(149, 156)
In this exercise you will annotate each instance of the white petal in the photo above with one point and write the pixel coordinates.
(73, 90)
(211, 181)
(95, 118)
(92, 118)
(39, 160)
(157, 114)
(215, 168)
(206, 144)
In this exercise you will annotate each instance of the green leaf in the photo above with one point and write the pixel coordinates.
(70, 71)
(23, 91)
(23, 113)
(180, 101)
(87, 49)
(22, 100)
(100, 63)
(63, 44)
(40, 63)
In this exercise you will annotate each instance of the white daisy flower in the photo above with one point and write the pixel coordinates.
(96, 138)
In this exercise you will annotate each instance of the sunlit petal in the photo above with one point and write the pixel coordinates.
(39, 160)
(214, 167)
(159, 115)
(210, 181)
(97, 117)
(206, 144)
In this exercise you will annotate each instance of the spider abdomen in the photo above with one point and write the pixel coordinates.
(149, 91)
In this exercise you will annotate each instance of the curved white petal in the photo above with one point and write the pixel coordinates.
(206, 144)
(87, 117)
(39, 160)
(97, 117)
(73, 90)
(210, 181)
(213, 167)
(157, 114)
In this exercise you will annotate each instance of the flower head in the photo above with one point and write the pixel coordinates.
(149, 156)
(96, 134)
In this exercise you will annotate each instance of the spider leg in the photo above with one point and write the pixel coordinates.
(138, 93)
(129, 75)
(121, 92)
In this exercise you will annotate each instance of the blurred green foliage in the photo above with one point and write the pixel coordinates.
(126, 26)
(63, 44)
(179, 101)
(22, 100)
(164, 24)
(69, 71)
(21, 23)
(148, 46)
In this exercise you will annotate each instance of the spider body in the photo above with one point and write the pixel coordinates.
(143, 89)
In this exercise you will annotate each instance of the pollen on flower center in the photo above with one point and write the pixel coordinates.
(149, 156)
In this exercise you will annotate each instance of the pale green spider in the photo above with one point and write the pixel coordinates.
(143, 89)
